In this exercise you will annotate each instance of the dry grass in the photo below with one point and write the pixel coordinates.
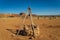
(49, 29)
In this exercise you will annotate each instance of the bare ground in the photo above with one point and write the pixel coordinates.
(49, 29)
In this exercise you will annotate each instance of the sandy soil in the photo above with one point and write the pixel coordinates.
(49, 29)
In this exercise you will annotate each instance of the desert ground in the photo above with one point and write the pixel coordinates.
(49, 28)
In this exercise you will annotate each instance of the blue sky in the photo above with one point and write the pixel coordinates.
(41, 7)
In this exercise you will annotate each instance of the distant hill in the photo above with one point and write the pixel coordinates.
(23, 14)
(9, 15)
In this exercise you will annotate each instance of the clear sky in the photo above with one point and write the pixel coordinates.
(41, 7)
